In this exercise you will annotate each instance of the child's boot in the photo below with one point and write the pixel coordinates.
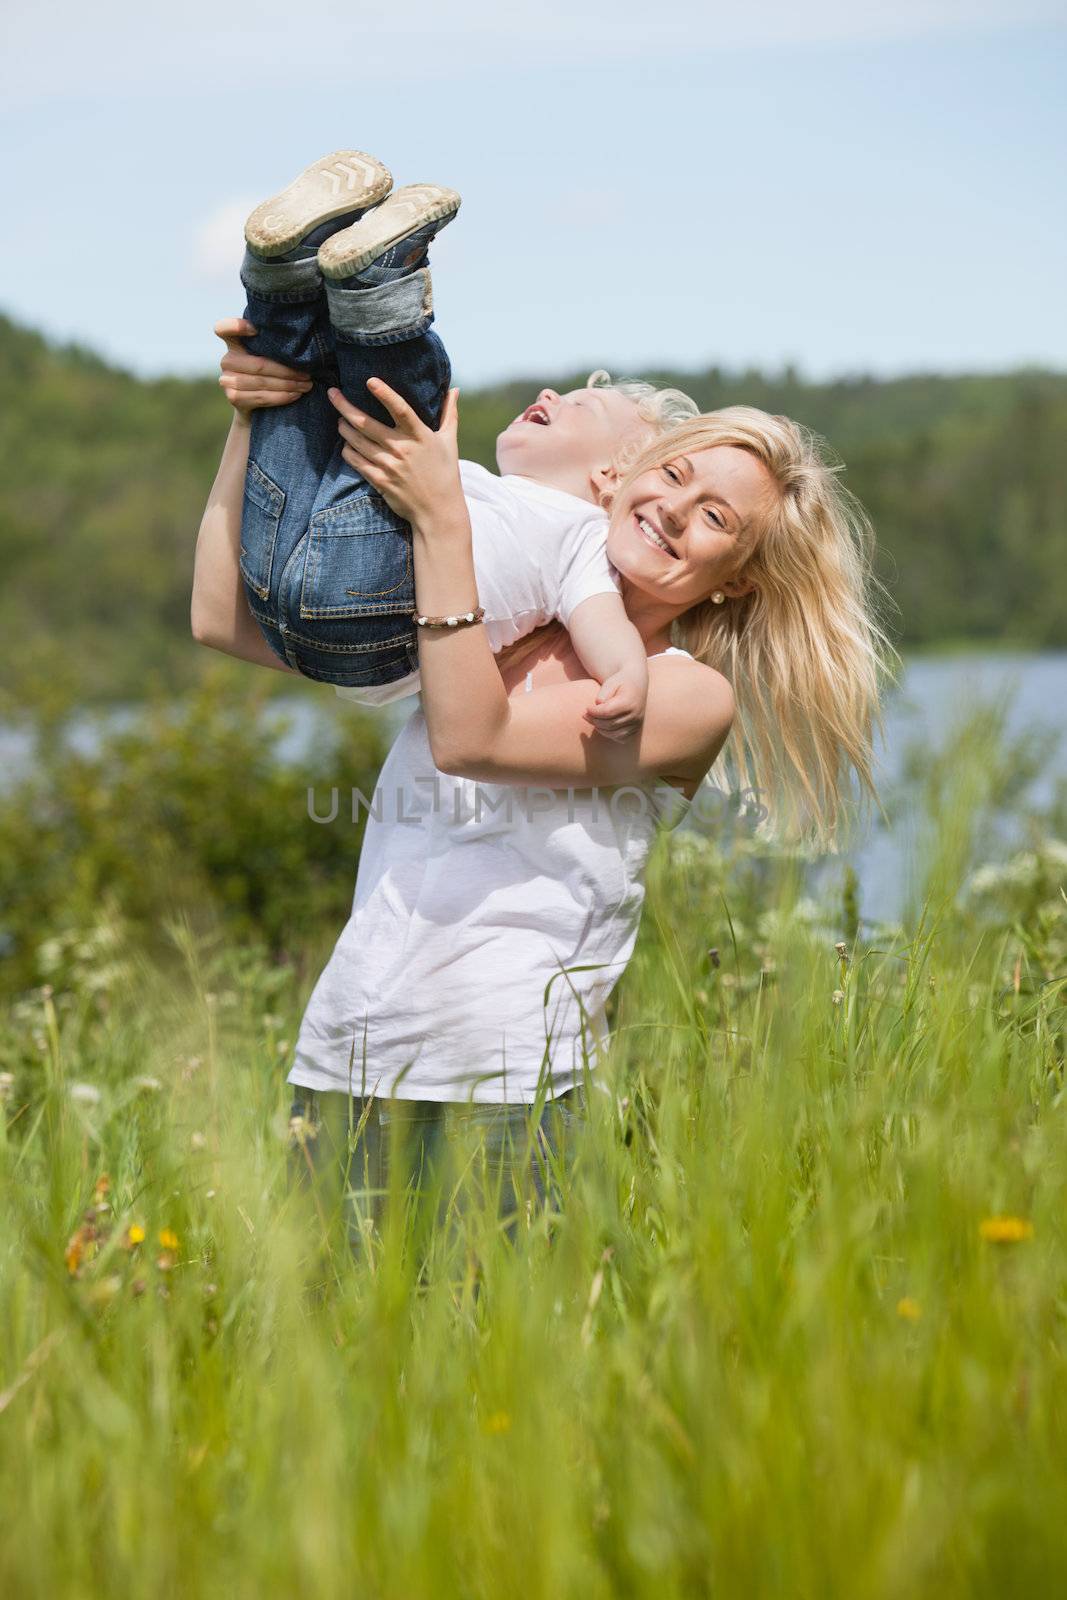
(391, 240)
(329, 195)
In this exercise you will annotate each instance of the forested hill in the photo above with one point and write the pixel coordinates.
(103, 477)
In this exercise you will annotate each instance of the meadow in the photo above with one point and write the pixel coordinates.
(797, 1325)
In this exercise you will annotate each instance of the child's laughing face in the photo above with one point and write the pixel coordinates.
(569, 441)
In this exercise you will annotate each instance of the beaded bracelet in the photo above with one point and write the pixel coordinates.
(463, 620)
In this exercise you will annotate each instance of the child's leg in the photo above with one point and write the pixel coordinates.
(347, 596)
(291, 445)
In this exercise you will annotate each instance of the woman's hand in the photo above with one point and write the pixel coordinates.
(250, 382)
(414, 469)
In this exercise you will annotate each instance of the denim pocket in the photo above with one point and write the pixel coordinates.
(358, 561)
(260, 517)
(370, 666)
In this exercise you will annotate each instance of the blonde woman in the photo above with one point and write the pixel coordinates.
(501, 881)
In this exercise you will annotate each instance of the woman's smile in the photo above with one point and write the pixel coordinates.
(651, 535)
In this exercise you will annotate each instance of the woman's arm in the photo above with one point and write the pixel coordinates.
(219, 614)
(475, 729)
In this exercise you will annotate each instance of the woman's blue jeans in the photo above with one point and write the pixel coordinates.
(327, 566)
(357, 1157)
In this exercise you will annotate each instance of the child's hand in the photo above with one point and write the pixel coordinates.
(414, 469)
(250, 382)
(619, 708)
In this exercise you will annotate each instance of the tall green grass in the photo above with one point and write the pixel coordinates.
(770, 1343)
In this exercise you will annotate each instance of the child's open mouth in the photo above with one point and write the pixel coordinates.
(536, 413)
(650, 536)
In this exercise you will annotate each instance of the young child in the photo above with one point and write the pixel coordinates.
(337, 276)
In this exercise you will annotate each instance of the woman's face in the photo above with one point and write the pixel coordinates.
(686, 528)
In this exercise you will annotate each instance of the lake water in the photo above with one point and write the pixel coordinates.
(934, 693)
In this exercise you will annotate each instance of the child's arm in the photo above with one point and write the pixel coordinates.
(611, 649)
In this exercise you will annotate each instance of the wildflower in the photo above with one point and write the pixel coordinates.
(133, 1236)
(148, 1084)
(81, 1246)
(165, 1260)
(837, 996)
(168, 1238)
(7, 1086)
(497, 1422)
(301, 1129)
(1006, 1230)
(909, 1309)
(85, 1094)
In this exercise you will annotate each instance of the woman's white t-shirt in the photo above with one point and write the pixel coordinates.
(538, 553)
(490, 924)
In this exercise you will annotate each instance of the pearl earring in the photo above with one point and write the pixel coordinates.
(718, 597)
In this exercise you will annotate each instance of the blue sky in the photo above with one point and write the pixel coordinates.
(671, 183)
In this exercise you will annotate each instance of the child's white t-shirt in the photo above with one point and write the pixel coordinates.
(538, 553)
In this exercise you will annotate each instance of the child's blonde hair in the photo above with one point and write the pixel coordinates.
(660, 408)
(804, 652)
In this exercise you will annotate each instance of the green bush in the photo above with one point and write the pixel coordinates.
(186, 811)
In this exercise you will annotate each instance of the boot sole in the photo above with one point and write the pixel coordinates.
(347, 180)
(407, 209)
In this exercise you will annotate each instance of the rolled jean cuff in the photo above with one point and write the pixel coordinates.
(291, 280)
(387, 314)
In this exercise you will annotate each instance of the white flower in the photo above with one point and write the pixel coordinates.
(85, 1094)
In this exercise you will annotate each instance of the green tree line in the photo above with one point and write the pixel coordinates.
(103, 477)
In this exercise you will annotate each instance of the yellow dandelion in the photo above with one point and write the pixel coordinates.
(909, 1309)
(168, 1238)
(1006, 1230)
(134, 1235)
(497, 1422)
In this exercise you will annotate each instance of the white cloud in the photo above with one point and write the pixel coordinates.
(218, 241)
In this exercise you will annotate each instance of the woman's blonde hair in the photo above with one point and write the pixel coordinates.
(804, 652)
